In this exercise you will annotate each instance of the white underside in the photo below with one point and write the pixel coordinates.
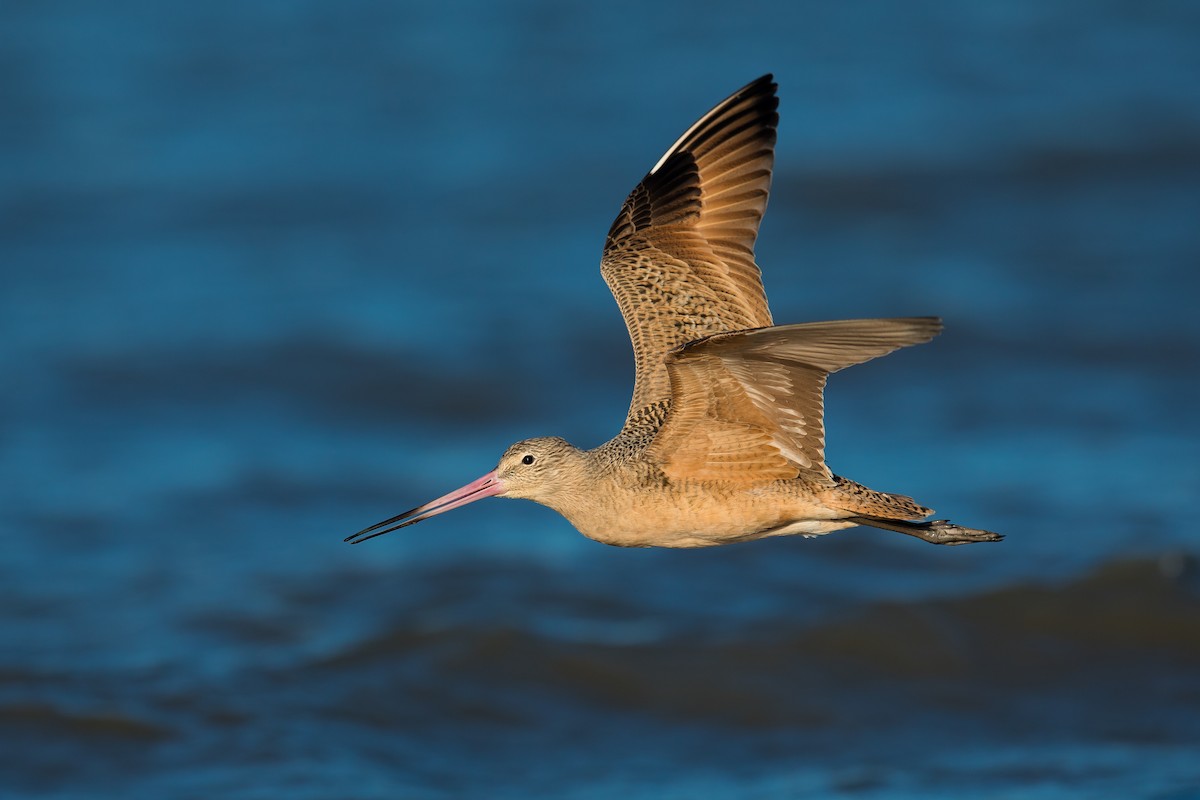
(808, 528)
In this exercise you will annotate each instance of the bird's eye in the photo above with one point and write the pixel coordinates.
(527, 460)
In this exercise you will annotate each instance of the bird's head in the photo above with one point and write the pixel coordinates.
(535, 469)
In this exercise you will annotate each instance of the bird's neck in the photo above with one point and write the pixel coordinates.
(577, 484)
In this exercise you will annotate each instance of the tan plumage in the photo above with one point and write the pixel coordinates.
(724, 440)
(747, 407)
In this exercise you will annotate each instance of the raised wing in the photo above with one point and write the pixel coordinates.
(679, 258)
(747, 407)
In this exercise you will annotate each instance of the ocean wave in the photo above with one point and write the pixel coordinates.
(1084, 637)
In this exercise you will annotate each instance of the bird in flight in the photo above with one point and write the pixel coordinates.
(724, 441)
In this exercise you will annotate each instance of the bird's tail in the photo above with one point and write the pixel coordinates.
(896, 512)
(859, 500)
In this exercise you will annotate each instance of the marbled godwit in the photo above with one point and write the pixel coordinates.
(724, 441)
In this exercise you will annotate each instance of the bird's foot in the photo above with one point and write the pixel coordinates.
(940, 531)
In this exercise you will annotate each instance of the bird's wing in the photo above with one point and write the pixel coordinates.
(746, 407)
(679, 258)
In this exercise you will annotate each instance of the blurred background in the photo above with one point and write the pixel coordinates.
(271, 272)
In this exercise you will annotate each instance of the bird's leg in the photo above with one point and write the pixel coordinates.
(939, 531)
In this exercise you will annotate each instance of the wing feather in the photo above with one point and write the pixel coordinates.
(747, 407)
(679, 257)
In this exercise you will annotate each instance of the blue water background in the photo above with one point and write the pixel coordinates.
(270, 272)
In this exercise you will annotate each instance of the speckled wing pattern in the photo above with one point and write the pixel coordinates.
(679, 258)
(747, 407)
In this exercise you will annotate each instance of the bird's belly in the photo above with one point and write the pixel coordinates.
(703, 517)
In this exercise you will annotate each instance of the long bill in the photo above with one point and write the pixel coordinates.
(487, 486)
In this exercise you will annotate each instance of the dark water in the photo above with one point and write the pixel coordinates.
(274, 271)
